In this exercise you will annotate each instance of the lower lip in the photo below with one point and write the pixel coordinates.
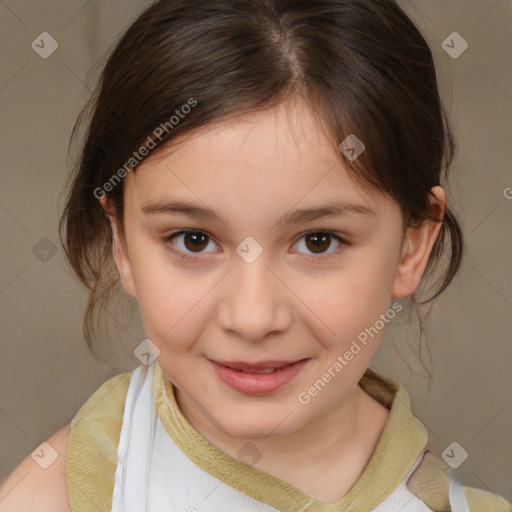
(258, 383)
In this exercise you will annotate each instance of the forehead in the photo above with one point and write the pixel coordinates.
(287, 132)
(280, 155)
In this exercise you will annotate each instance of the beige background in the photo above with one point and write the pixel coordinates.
(46, 371)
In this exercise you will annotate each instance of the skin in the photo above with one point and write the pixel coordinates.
(35, 488)
(285, 305)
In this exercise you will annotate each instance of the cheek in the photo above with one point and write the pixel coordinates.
(348, 305)
(169, 301)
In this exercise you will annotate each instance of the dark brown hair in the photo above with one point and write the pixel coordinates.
(362, 66)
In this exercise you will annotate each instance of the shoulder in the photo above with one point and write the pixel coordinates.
(40, 479)
(78, 461)
(430, 483)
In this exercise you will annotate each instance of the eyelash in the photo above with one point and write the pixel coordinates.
(314, 259)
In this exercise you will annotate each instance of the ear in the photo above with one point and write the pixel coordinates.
(119, 251)
(417, 248)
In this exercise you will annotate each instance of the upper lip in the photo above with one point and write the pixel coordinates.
(262, 365)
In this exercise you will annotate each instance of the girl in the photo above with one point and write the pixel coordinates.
(264, 178)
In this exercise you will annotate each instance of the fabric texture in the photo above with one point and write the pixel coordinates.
(403, 434)
(92, 446)
(102, 448)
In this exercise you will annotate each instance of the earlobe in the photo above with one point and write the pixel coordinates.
(120, 255)
(417, 248)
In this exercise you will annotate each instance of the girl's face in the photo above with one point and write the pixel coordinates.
(250, 284)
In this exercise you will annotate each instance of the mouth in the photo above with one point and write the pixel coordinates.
(261, 367)
(258, 377)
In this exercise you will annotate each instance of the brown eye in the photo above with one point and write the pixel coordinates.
(195, 240)
(188, 242)
(318, 242)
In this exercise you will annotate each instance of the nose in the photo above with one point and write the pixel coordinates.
(254, 301)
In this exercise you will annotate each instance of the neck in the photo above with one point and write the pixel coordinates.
(325, 466)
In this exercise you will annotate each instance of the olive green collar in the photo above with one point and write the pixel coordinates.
(401, 442)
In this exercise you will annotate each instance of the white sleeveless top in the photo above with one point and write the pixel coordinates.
(154, 475)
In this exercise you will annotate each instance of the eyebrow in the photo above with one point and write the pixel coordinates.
(295, 217)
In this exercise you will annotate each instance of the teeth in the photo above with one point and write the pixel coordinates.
(266, 370)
